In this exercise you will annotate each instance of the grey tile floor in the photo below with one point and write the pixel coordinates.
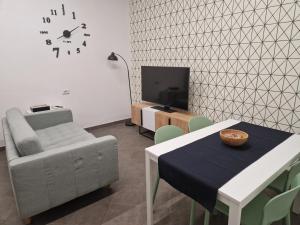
(123, 203)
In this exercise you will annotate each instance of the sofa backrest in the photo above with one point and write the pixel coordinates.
(24, 137)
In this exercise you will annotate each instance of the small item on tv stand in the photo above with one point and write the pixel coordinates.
(39, 108)
(164, 108)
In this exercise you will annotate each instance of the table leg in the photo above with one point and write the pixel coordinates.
(296, 207)
(234, 217)
(148, 190)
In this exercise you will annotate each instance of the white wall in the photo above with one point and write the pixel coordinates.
(30, 74)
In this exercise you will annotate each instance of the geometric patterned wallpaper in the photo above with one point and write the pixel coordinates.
(244, 55)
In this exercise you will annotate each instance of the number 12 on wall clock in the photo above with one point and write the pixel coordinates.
(66, 39)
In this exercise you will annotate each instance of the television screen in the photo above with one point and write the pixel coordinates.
(168, 86)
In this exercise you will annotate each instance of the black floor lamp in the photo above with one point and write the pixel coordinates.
(113, 57)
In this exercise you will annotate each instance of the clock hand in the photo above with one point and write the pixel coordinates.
(67, 33)
(74, 29)
(60, 37)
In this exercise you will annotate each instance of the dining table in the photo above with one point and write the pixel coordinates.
(243, 187)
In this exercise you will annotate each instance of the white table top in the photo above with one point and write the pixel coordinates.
(249, 182)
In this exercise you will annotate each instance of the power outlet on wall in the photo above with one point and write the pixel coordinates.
(66, 92)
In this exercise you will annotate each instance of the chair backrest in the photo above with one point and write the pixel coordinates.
(199, 122)
(295, 169)
(280, 206)
(166, 133)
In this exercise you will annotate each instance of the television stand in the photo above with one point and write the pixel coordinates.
(164, 109)
(148, 118)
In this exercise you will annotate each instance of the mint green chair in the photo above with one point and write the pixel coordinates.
(283, 182)
(166, 133)
(264, 210)
(162, 134)
(199, 122)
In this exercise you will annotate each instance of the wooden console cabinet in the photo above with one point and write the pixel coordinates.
(179, 118)
(136, 115)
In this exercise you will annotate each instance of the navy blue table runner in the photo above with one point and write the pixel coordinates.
(200, 168)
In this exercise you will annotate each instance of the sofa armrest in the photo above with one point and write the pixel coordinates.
(51, 178)
(41, 120)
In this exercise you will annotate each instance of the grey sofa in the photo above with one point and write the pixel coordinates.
(51, 160)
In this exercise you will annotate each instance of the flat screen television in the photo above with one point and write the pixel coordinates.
(167, 86)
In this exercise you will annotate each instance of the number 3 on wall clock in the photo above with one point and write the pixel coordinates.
(71, 38)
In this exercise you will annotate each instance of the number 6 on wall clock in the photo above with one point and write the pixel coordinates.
(71, 37)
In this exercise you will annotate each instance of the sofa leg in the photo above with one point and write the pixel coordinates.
(26, 221)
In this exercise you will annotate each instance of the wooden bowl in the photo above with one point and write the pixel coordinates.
(234, 137)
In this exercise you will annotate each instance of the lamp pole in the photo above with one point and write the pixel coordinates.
(113, 57)
(127, 76)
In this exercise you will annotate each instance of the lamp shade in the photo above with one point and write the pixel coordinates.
(112, 57)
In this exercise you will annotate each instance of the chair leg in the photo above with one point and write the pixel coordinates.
(215, 212)
(26, 221)
(206, 217)
(192, 213)
(155, 188)
(287, 220)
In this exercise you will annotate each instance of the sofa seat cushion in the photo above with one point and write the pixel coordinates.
(62, 135)
(25, 138)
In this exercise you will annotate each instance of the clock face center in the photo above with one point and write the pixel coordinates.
(66, 34)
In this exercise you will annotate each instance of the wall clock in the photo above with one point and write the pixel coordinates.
(64, 32)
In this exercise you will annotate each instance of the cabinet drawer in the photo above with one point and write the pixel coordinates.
(181, 124)
(161, 119)
(136, 115)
